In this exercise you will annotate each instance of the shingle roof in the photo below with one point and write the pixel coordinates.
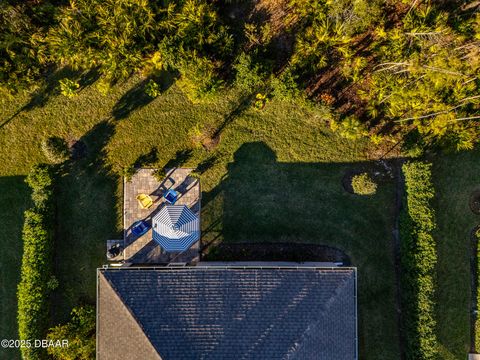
(225, 313)
(115, 321)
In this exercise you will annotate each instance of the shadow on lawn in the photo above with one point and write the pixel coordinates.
(14, 200)
(50, 87)
(262, 200)
(87, 217)
(136, 97)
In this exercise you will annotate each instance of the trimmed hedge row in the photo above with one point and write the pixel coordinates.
(37, 263)
(477, 291)
(418, 260)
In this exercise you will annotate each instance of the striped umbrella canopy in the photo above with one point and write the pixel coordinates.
(175, 228)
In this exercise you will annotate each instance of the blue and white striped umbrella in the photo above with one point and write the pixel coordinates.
(176, 228)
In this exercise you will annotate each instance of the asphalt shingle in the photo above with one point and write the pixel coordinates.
(248, 313)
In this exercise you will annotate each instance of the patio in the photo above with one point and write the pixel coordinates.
(143, 249)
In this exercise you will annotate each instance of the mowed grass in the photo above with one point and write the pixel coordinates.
(455, 177)
(263, 200)
(14, 199)
(285, 153)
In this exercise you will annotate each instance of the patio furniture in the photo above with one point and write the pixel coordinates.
(114, 251)
(171, 196)
(145, 201)
(140, 227)
(176, 228)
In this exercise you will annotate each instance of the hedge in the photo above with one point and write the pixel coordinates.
(477, 291)
(37, 264)
(418, 260)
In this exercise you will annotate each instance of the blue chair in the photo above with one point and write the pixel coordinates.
(171, 196)
(140, 227)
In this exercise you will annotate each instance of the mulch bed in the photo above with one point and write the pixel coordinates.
(210, 143)
(380, 171)
(347, 179)
(276, 252)
(475, 202)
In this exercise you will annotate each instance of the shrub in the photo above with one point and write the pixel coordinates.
(418, 260)
(195, 175)
(248, 75)
(55, 149)
(356, 15)
(80, 333)
(36, 267)
(363, 184)
(198, 77)
(152, 89)
(32, 293)
(159, 174)
(260, 101)
(68, 87)
(285, 87)
(477, 291)
(40, 180)
(128, 172)
(36, 271)
(350, 128)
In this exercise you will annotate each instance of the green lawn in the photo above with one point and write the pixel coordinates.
(262, 199)
(455, 177)
(276, 152)
(14, 199)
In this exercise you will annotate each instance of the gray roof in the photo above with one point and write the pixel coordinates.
(233, 313)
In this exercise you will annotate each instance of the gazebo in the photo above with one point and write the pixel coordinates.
(176, 228)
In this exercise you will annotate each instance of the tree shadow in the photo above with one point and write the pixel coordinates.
(181, 157)
(40, 97)
(268, 200)
(207, 163)
(149, 158)
(244, 103)
(88, 78)
(14, 200)
(262, 200)
(87, 215)
(50, 88)
(136, 97)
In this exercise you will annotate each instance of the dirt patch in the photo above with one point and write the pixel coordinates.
(475, 202)
(205, 136)
(210, 143)
(273, 10)
(276, 252)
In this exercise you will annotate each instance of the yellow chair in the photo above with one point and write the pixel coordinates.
(145, 201)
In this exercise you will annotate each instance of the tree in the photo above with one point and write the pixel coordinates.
(55, 149)
(427, 79)
(80, 333)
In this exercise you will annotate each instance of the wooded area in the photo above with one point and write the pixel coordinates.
(391, 70)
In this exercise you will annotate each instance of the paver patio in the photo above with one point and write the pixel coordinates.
(144, 249)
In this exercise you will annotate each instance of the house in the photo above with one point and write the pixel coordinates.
(248, 311)
(151, 308)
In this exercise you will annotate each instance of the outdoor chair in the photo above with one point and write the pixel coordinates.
(171, 196)
(140, 227)
(145, 201)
